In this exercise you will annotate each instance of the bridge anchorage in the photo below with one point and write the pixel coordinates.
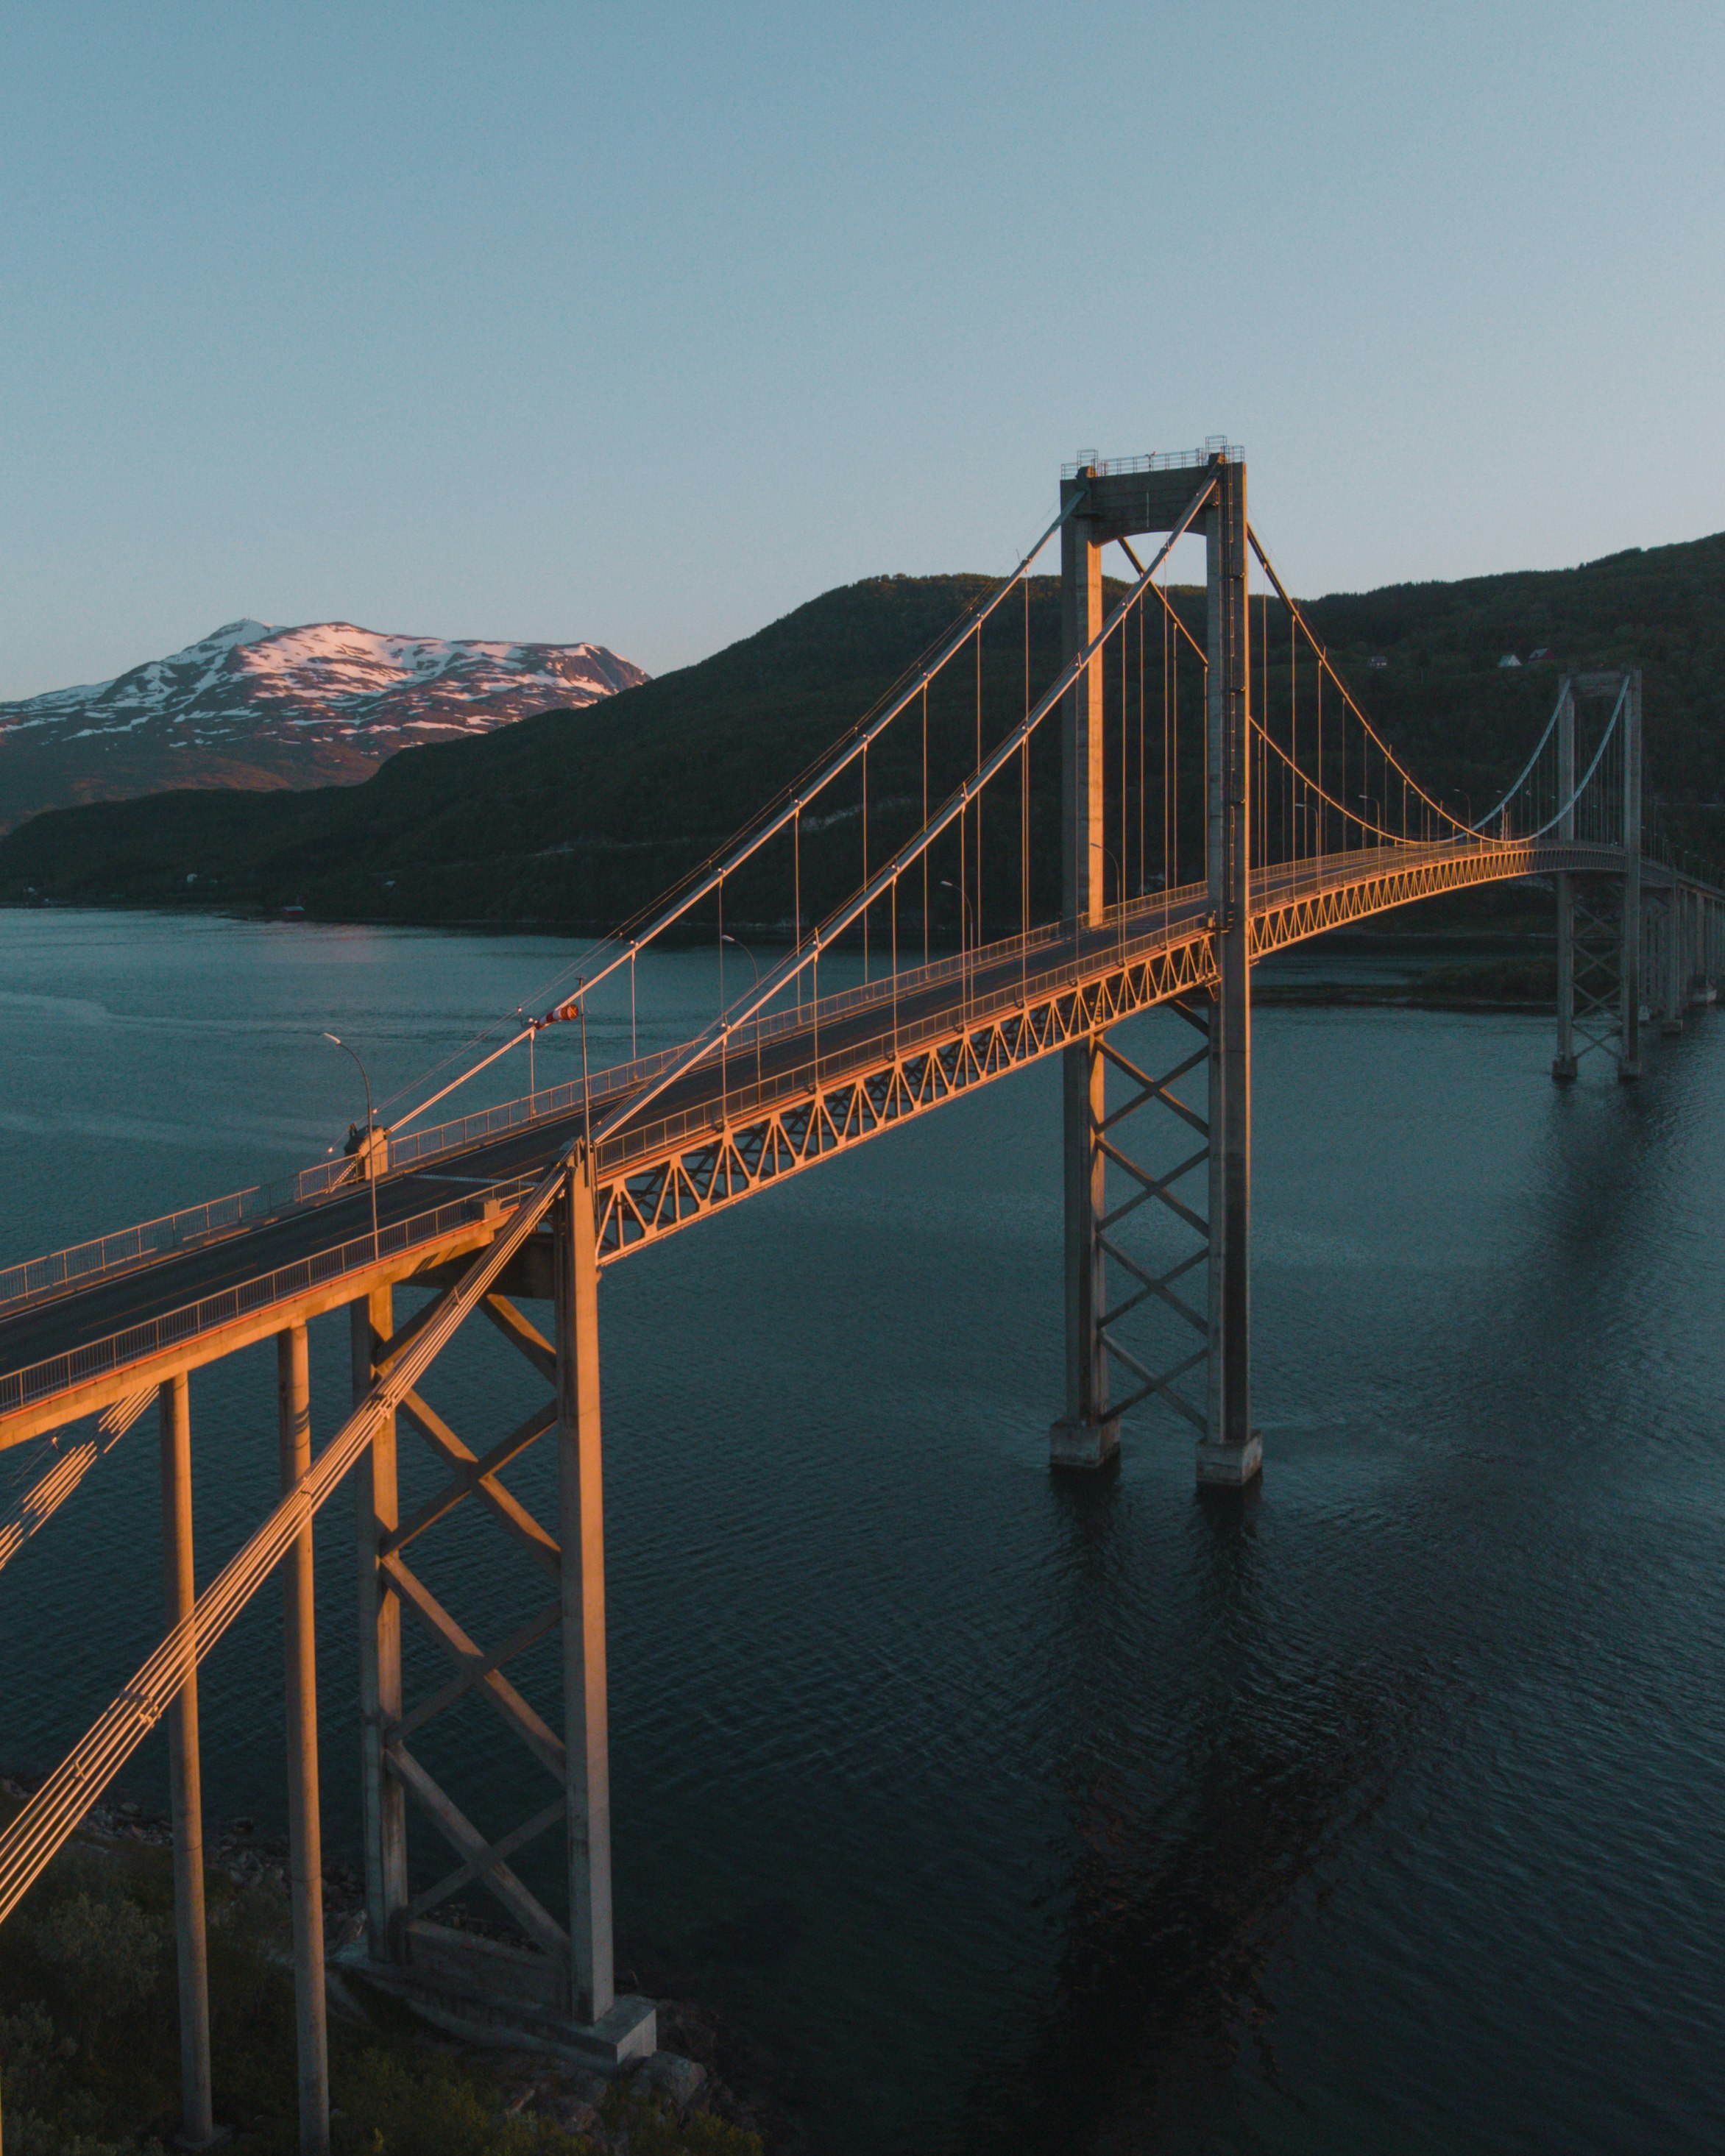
(1275, 813)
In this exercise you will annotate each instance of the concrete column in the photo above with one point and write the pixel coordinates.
(185, 1771)
(1674, 930)
(1629, 958)
(1564, 1064)
(1230, 1453)
(1086, 1435)
(382, 1800)
(293, 1379)
(582, 1533)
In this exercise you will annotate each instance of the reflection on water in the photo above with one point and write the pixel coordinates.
(1005, 1813)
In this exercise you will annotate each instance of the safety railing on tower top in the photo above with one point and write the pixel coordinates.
(1161, 460)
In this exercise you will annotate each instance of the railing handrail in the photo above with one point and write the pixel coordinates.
(133, 1343)
(83, 1263)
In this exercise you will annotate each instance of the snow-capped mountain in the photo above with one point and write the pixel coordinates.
(257, 705)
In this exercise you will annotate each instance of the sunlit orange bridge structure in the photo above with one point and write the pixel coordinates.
(1298, 819)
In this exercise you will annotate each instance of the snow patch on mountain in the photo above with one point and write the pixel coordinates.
(296, 706)
(331, 673)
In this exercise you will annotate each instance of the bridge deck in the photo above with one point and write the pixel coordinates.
(800, 1086)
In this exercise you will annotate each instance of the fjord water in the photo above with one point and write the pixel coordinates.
(1001, 1812)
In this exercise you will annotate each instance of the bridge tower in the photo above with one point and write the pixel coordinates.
(1107, 504)
(1595, 943)
(1564, 1064)
(1630, 963)
(1230, 1453)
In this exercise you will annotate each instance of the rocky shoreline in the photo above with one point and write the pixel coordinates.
(705, 2077)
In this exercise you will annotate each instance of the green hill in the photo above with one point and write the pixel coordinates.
(578, 818)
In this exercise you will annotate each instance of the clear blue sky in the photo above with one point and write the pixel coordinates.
(646, 322)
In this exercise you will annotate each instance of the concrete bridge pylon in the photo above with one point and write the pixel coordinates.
(1117, 507)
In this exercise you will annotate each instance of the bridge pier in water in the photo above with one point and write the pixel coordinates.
(1610, 956)
(1628, 1064)
(1087, 1435)
(185, 1770)
(1564, 1065)
(1229, 1452)
(558, 1992)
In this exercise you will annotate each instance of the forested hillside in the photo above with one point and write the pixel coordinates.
(578, 818)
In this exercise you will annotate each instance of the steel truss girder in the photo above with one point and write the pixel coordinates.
(733, 1160)
(1288, 905)
(1154, 1092)
(1278, 921)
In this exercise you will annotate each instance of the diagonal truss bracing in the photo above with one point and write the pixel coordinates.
(833, 1111)
(1137, 1285)
(477, 1671)
(664, 1175)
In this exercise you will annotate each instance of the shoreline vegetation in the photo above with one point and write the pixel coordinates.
(89, 2046)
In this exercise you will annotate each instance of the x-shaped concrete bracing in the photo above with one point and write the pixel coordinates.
(478, 1671)
(1146, 1286)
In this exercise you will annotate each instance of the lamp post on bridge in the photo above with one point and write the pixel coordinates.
(965, 927)
(1109, 854)
(368, 1155)
(749, 954)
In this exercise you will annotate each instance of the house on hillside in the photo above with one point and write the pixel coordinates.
(1509, 659)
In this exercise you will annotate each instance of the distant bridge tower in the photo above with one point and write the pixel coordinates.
(1603, 968)
(1117, 503)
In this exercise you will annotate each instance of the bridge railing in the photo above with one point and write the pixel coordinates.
(57, 1374)
(1050, 959)
(82, 1264)
(85, 1263)
(137, 1343)
(806, 1079)
(414, 1148)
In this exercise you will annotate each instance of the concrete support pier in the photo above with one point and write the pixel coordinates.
(1564, 1065)
(1086, 1435)
(1230, 1454)
(382, 1800)
(185, 1771)
(1630, 950)
(1673, 937)
(305, 1816)
(628, 2023)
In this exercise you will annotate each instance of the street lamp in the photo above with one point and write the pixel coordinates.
(966, 927)
(1109, 854)
(367, 1158)
(750, 956)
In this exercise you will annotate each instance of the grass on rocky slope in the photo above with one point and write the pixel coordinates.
(88, 2040)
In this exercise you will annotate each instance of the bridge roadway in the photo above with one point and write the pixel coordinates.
(857, 1030)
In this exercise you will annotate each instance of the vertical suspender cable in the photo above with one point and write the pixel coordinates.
(1144, 871)
(1025, 818)
(865, 860)
(978, 766)
(924, 820)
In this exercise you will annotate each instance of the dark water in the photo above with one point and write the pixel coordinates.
(1004, 1813)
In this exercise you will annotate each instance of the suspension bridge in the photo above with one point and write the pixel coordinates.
(1222, 794)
